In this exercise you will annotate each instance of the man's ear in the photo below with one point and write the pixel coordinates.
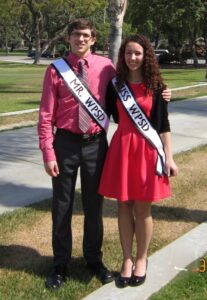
(93, 40)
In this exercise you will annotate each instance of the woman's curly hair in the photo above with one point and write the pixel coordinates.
(150, 69)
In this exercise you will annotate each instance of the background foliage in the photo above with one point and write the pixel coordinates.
(177, 25)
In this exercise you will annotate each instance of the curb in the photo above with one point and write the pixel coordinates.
(19, 112)
(189, 87)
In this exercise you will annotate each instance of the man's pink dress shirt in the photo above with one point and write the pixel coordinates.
(59, 108)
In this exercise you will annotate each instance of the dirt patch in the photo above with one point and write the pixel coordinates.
(18, 120)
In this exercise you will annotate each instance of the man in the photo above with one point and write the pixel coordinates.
(76, 145)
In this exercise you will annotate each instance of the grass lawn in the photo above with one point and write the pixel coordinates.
(186, 285)
(183, 77)
(25, 240)
(14, 53)
(21, 84)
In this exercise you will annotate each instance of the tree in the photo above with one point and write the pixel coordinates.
(44, 18)
(8, 30)
(117, 9)
(175, 23)
(44, 22)
(187, 23)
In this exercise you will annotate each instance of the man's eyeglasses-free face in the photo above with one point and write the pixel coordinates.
(77, 35)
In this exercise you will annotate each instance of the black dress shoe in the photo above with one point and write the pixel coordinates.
(102, 273)
(138, 280)
(56, 279)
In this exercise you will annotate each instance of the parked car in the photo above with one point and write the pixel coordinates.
(47, 54)
(159, 52)
(164, 56)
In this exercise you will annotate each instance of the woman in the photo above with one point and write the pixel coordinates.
(137, 168)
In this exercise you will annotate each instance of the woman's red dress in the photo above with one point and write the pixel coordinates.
(129, 172)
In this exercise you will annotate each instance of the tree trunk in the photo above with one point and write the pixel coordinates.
(117, 9)
(37, 22)
(38, 51)
(6, 46)
(6, 41)
(37, 19)
(195, 57)
(53, 51)
(180, 57)
(157, 40)
(29, 47)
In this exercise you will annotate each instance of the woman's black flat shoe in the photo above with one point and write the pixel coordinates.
(123, 282)
(138, 280)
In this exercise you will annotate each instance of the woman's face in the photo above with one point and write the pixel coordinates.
(134, 56)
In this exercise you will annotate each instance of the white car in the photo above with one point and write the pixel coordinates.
(158, 52)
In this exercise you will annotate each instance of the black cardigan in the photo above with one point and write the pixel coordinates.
(159, 113)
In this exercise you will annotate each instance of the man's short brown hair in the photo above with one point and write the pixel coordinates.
(82, 24)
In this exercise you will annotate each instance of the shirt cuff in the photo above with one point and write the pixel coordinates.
(48, 155)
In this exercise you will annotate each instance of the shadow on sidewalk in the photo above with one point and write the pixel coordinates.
(197, 107)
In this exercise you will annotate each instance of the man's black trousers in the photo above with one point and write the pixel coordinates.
(73, 151)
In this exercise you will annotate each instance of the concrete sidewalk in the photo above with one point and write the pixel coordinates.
(22, 177)
(25, 59)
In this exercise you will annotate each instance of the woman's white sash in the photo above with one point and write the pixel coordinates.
(142, 123)
(81, 93)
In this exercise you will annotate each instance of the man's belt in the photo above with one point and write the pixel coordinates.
(81, 137)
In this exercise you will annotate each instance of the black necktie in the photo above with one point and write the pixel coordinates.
(84, 118)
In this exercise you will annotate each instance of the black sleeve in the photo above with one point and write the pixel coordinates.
(111, 98)
(159, 114)
(165, 124)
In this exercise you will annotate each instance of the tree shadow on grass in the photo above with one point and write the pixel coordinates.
(36, 102)
(159, 212)
(14, 65)
(175, 214)
(109, 206)
(20, 91)
(26, 259)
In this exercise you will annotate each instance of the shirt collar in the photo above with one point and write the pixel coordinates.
(74, 59)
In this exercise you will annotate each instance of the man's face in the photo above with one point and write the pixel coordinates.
(81, 41)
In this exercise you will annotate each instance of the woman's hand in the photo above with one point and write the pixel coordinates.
(171, 168)
(166, 94)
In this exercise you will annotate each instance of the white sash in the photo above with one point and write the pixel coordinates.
(142, 124)
(81, 93)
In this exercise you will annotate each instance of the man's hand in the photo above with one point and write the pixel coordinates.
(51, 168)
(166, 94)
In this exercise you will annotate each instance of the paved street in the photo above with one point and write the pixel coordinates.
(25, 59)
